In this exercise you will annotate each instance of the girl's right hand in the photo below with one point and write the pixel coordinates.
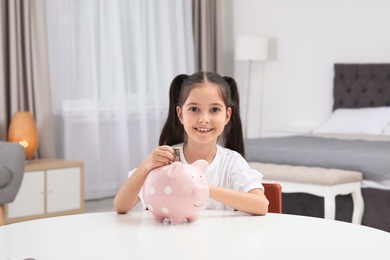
(160, 156)
(127, 196)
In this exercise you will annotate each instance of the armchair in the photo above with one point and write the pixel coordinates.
(12, 156)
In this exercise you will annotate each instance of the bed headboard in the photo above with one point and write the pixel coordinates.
(361, 85)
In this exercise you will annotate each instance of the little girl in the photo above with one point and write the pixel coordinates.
(203, 119)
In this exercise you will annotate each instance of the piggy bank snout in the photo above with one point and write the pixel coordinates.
(201, 193)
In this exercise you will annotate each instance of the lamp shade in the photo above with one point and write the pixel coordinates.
(251, 48)
(23, 130)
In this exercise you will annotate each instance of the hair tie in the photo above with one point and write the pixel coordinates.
(225, 78)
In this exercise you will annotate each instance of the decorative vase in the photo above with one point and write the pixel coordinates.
(23, 130)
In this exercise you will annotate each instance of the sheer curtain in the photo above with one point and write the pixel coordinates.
(111, 63)
(24, 69)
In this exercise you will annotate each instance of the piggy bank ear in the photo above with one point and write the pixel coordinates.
(201, 164)
(174, 169)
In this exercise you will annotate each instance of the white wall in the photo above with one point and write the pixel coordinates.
(307, 37)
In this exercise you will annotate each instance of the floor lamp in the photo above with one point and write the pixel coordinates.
(251, 48)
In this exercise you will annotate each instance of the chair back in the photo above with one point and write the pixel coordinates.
(12, 156)
(273, 192)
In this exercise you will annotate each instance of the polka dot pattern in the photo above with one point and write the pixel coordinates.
(168, 190)
(167, 199)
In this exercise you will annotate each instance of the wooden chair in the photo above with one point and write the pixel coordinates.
(273, 192)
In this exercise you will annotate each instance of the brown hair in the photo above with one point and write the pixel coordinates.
(173, 131)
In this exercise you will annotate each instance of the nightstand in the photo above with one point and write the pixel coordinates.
(50, 187)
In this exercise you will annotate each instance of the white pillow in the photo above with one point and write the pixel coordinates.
(356, 121)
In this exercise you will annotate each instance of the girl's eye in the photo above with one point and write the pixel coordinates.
(215, 109)
(194, 109)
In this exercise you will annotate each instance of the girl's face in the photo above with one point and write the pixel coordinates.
(204, 114)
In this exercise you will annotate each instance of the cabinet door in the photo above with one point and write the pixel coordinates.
(63, 189)
(30, 198)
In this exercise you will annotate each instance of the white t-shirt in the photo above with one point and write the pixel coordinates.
(230, 170)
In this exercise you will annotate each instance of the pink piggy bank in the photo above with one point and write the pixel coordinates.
(177, 191)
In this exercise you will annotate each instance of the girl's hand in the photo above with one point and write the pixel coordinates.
(160, 156)
(127, 196)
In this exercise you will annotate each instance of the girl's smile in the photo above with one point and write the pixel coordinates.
(203, 129)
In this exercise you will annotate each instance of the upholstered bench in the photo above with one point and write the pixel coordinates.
(327, 183)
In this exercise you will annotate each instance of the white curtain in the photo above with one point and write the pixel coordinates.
(111, 64)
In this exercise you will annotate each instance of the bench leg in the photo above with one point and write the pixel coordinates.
(329, 206)
(358, 206)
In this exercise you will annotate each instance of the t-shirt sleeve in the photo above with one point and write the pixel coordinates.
(141, 205)
(246, 179)
(234, 172)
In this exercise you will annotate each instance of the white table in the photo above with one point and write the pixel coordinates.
(216, 235)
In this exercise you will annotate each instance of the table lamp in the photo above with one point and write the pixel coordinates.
(23, 130)
(251, 48)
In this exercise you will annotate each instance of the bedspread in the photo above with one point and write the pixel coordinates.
(371, 158)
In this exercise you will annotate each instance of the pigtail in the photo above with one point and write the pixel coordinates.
(233, 135)
(173, 131)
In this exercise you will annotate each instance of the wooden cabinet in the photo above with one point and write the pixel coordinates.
(50, 187)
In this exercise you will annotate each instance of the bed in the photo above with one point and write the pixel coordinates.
(355, 137)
